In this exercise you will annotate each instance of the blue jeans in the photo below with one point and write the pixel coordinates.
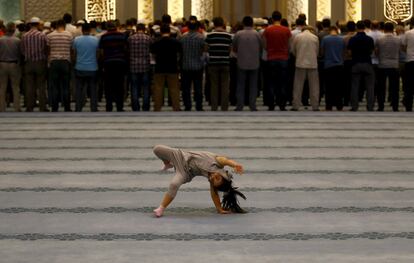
(278, 79)
(140, 85)
(86, 80)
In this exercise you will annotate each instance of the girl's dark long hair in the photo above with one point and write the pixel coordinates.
(230, 201)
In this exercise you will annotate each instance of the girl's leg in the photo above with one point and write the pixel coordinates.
(175, 184)
(165, 153)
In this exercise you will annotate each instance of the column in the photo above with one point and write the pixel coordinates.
(323, 9)
(203, 9)
(146, 10)
(296, 7)
(176, 9)
(248, 7)
(232, 13)
(353, 10)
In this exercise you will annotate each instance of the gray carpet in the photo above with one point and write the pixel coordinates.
(321, 187)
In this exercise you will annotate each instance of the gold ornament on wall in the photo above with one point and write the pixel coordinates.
(323, 9)
(100, 10)
(203, 9)
(146, 10)
(296, 7)
(176, 9)
(398, 10)
(353, 10)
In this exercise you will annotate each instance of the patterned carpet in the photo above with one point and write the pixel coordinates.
(321, 187)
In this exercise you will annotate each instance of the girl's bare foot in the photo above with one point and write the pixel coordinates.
(167, 167)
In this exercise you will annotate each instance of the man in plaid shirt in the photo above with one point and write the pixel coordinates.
(139, 50)
(34, 50)
(193, 65)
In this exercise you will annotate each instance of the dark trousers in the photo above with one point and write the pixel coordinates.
(266, 76)
(334, 87)
(363, 72)
(60, 84)
(394, 87)
(220, 86)
(188, 79)
(347, 81)
(35, 80)
(291, 78)
(278, 83)
(409, 89)
(86, 83)
(233, 81)
(114, 74)
(250, 77)
(140, 84)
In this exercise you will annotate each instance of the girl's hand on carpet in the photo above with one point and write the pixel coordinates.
(224, 212)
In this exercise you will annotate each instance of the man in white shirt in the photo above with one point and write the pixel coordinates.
(305, 47)
(69, 27)
(409, 68)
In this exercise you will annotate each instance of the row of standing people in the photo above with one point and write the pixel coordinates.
(269, 51)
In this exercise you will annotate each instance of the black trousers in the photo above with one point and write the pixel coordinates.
(334, 87)
(188, 79)
(114, 75)
(394, 87)
(409, 88)
(60, 84)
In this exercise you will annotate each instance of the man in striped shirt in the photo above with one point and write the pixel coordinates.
(219, 44)
(34, 50)
(60, 43)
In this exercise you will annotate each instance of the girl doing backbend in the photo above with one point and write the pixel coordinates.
(189, 164)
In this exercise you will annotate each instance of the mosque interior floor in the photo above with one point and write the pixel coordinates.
(321, 187)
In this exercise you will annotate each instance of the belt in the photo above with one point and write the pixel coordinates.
(10, 62)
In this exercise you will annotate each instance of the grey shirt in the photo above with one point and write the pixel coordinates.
(202, 163)
(248, 45)
(388, 49)
(375, 35)
(9, 49)
(409, 43)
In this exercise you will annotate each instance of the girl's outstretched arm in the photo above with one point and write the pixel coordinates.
(224, 161)
(216, 200)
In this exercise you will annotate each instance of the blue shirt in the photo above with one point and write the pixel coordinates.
(333, 49)
(86, 48)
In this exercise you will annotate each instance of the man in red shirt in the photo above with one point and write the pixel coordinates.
(276, 42)
(2, 28)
